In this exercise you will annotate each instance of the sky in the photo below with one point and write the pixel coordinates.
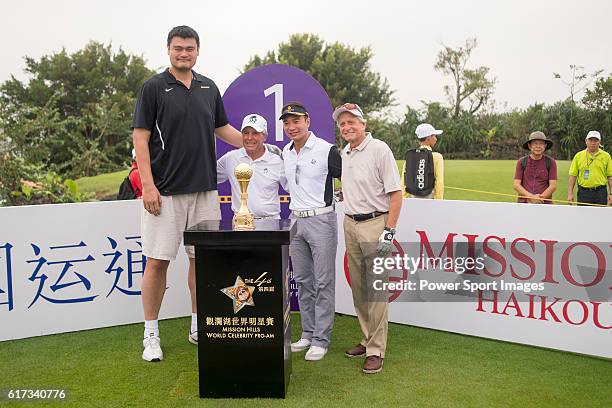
(522, 42)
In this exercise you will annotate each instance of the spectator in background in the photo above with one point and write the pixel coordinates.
(535, 177)
(131, 186)
(135, 176)
(423, 172)
(593, 169)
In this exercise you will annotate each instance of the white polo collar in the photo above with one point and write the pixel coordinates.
(264, 158)
(309, 143)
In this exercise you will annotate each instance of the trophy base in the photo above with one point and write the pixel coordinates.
(243, 222)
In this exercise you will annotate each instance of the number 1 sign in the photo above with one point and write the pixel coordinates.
(264, 90)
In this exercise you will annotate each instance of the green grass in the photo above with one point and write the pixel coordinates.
(492, 176)
(423, 368)
(103, 186)
(485, 175)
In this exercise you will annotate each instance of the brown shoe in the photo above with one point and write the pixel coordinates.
(372, 364)
(357, 351)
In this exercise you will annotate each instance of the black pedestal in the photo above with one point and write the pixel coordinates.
(242, 281)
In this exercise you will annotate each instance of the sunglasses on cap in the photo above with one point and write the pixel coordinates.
(350, 106)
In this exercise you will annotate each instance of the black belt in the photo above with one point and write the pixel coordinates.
(602, 187)
(363, 217)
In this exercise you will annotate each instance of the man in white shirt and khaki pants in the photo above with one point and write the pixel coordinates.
(372, 203)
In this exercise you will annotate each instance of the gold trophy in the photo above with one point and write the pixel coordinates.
(243, 219)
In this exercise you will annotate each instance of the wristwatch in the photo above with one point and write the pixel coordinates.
(389, 233)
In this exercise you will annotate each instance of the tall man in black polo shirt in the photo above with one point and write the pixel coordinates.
(177, 114)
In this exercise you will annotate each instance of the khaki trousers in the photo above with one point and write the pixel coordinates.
(361, 238)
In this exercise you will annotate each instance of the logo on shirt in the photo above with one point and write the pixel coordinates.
(204, 86)
(265, 170)
(169, 89)
(313, 161)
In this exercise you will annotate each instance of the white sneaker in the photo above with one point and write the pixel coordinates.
(193, 337)
(315, 353)
(152, 349)
(300, 345)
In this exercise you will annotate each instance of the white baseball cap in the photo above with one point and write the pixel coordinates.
(256, 122)
(425, 129)
(593, 133)
(348, 107)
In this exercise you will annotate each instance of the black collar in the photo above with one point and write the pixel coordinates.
(170, 79)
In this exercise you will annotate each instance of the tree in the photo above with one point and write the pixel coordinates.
(73, 114)
(599, 103)
(344, 72)
(471, 85)
(397, 133)
(579, 79)
(600, 97)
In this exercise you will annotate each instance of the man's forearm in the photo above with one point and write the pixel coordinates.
(395, 206)
(518, 187)
(552, 187)
(571, 183)
(229, 135)
(140, 138)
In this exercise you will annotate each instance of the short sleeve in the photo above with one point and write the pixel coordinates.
(388, 170)
(334, 162)
(518, 172)
(220, 115)
(552, 173)
(222, 173)
(573, 170)
(145, 110)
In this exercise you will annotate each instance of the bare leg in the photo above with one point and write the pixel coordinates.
(192, 285)
(153, 287)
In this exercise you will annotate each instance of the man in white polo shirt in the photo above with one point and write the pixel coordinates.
(372, 201)
(267, 165)
(311, 164)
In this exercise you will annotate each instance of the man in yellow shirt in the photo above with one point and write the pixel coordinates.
(592, 167)
(427, 136)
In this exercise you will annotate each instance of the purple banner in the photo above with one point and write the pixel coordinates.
(264, 90)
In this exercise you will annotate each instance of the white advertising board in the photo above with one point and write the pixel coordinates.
(566, 250)
(71, 267)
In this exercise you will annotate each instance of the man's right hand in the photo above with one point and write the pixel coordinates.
(151, 199)
(570, 198)
(535, 199)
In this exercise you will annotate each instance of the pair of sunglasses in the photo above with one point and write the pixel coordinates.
(350, 106)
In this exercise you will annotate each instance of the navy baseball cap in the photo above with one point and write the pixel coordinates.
(294, 108)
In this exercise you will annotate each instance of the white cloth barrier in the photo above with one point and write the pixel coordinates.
(437, 219)
(70, 267)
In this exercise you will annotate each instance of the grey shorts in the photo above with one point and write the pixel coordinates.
(162, 234)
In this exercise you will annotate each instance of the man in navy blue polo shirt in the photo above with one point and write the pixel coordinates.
(177, 115)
